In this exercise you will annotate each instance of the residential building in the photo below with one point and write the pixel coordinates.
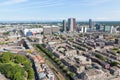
(90, 24)
(117, 41)
(72, 25)
(115, 71)
(47, 30)
(33, 31)
(97, 27)
(83, 29)
(107, 28)
(93, 74)
(50, 29)
(64, 26)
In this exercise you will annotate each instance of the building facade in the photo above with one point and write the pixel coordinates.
(83, 29)
(72, 24)
(90, 24)
(64, 26)
(107, 28)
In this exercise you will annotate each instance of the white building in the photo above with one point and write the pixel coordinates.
(33, 30)
(83, 29)
(113, 29)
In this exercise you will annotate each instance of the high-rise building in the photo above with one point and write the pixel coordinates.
(111, 29)
(90, 24)
(83, 29)
(64, 26)
(72, 24)
(97, 27)
(107, 28)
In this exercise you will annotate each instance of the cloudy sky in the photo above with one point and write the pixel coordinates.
(51, 10)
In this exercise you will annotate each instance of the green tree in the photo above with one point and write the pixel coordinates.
(5, 58)
(18, 76)
(30, 74)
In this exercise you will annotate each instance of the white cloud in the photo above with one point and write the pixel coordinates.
(10, 2)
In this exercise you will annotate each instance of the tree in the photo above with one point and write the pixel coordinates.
(6, 33)
(26, 63)
(100, 57)
(118, 51)
(5, 58)
(16, 67)
(71, 74)
(30, 74)
(114, 63)
(26, 74)
(8, 74)
(18, 76)
(20, 59)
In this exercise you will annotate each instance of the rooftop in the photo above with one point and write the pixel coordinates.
(92, 72)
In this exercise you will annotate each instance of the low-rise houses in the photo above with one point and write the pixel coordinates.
(89, 55)
(82, 55)
(115, 71)
(77, 64)
(93, 74)
(44, 72)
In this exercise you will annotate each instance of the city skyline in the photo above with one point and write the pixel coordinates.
(52, 10)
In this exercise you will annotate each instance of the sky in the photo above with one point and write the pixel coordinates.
(56, 10)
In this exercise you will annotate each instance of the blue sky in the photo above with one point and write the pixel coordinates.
(51, 10)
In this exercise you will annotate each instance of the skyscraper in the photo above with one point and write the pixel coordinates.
(72, 24)
(83, 29)
(90, 24)
(107, 28)
(64, 26)
(97, 27)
